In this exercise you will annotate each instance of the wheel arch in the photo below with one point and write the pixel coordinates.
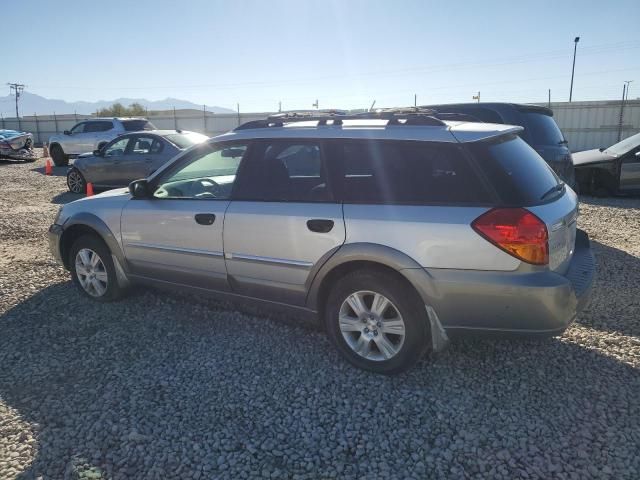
(356, 256)
(87, 223)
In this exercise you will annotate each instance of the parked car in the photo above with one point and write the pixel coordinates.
(396, 231)
(90, 135)
(17, 145)
(611, 170)
(129, 157)
(539, 129)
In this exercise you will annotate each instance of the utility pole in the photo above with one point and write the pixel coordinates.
(624, 91)
(280, 106)
(627, 82)
(16, 89)
(549, 98)
(575, 47)
(316, 104)
(477, 97)
(415, 99)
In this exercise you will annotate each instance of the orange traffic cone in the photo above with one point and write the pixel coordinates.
(47, 167)
(89, 189)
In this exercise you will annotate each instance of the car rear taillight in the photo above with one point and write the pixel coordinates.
(516, 231)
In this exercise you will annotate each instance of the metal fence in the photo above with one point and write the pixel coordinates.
(586, 125)
(211, 124)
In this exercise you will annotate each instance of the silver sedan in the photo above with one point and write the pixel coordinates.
(129, 157)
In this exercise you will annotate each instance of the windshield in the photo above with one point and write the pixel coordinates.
(624, 146)
(543, 129)
(186, 140)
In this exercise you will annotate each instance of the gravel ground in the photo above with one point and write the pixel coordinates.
(167, 386)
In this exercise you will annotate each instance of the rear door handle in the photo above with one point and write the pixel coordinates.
(320, 225)
(205, 218)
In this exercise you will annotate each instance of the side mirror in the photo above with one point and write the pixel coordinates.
(97, 153)
(139, 189)
(67, 132)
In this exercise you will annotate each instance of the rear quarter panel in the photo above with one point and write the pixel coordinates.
(434, 236)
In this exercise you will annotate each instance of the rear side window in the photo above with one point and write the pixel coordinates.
(517, 172)
(98, 126)
(542, 129)
(408, 173)
(137, 125)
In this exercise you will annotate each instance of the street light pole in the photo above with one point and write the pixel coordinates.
(575, 47)
(627, 82)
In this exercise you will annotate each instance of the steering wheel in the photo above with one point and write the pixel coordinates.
(208, 188)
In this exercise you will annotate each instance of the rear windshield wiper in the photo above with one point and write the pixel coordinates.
(554, 189)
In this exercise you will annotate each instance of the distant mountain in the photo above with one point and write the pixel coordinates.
(31, 103)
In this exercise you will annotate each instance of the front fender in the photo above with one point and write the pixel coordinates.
(99, 226)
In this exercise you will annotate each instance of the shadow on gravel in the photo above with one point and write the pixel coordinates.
(628, 201)
(158, 386)
(615, 300)
(56, 171)
(66, 197)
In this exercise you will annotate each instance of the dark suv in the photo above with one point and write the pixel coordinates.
(540, 129)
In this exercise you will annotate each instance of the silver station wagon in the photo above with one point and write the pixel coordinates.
(396, 229)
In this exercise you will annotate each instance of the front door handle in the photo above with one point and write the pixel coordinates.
(320, 225)
(205, 218)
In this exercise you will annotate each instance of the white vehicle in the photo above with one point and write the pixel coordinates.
(90, 135)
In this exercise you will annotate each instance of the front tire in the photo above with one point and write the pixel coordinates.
(76, 182)
(58, 156)
(92, 269)
(376, 322)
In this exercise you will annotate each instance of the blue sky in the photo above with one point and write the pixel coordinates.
(344, 53)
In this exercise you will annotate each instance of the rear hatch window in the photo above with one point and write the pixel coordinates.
(520, 176)
(137, 125)
(542, 129)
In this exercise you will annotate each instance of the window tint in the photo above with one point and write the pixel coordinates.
(98, 126)
(515, 169)
(79, 128)
(542, 129)
(408, 172)
(287, 171)
(209, 174)
(117, 148)
(137, 125)
(146, 146)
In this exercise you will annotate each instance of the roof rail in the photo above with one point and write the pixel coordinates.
(409, 116)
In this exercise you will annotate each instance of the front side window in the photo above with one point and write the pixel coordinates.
(286, 171)
(117, 148)
(79, 128)
(414, 173)
(209, 173)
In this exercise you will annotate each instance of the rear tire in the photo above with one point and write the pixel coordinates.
(58, 156)
(388, 331)
(92, 269)
(76, 182)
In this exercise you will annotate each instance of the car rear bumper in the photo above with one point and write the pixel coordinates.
(541, 303)
(54, 235)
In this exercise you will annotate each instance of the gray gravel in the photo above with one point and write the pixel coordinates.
(167, 386)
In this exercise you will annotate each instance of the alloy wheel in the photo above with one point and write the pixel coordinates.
(371, 325)
(91, 272)
(75, 182)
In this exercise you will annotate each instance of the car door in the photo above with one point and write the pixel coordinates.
(106, 170)
(175, 236)
(76, 142)
(630, 171)
(140, 159)
(282, 221)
